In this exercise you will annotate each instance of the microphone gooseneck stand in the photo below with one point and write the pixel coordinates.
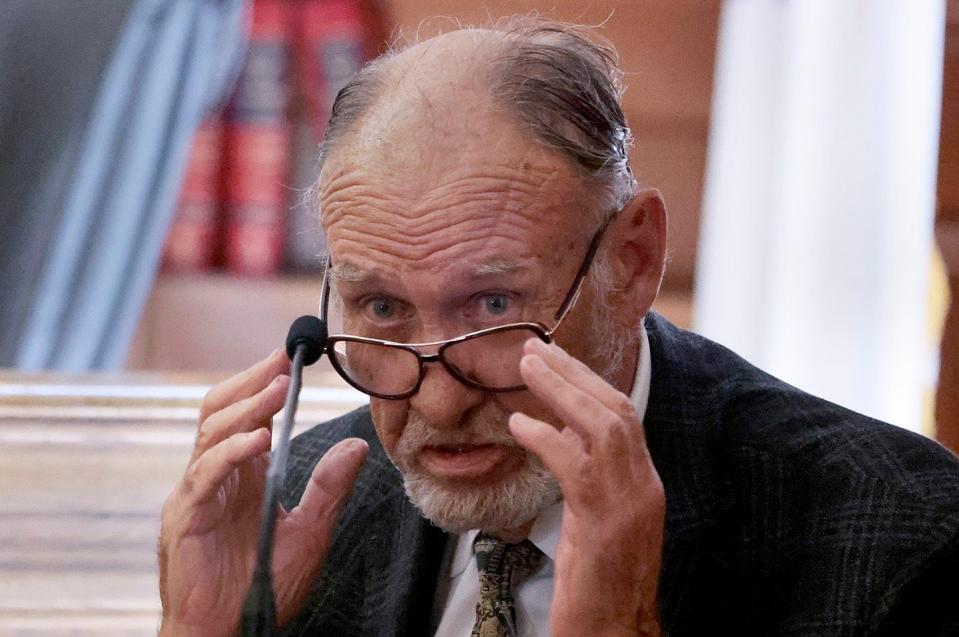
(305, 344)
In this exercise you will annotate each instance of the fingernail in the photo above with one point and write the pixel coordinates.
(353, 445)
(533, 362)
(547, 349)
(538, 344)
(518, 419)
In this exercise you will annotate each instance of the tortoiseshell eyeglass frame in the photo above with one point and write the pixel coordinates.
(539, 329)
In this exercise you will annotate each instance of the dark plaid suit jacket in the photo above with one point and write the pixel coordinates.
(786, 515)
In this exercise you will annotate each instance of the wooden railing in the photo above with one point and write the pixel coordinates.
(85, 465)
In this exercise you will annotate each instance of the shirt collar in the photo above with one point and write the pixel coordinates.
(545, 531)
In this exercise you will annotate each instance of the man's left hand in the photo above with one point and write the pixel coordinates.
(610, 549)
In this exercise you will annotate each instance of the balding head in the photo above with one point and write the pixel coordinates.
(548, 80)
(460, 192)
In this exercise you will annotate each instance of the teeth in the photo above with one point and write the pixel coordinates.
(455, 448)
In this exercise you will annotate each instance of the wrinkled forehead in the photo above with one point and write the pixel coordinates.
(467, 188)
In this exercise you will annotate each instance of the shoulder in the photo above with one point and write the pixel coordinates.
(823, 502)
(702, 389)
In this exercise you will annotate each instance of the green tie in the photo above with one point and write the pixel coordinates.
(502, 568)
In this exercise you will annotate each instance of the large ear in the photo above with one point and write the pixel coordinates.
(639, 253)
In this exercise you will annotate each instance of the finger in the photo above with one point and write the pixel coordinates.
(249, 414)
(303, 536)
(577, 409)
(245, 384)
(579, 374)
(207, 474)
(561, 455)
(331, 482)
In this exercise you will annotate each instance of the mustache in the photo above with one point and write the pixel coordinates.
(486, 425)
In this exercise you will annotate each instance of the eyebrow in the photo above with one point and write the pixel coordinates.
(493, 268)
(350, 273)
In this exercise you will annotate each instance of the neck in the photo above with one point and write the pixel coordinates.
(625, 377)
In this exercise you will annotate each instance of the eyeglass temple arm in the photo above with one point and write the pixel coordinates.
(581, 274)
(325, 296)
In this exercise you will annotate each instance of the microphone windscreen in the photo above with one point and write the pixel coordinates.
(310, 332)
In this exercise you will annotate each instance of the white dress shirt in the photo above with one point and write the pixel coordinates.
(533, 598)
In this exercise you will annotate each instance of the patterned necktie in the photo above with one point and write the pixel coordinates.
(502, 568)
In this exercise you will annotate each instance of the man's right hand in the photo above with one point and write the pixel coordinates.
(210, 521)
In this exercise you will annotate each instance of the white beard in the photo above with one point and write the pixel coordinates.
(508, 504)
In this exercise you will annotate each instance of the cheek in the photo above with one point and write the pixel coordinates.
(578, 333)
(389, 419)
(526, 403)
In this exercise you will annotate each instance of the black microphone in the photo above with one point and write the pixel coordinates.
(310, 332)
(305, 344)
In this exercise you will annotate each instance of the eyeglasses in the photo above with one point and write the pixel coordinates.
(487, 359)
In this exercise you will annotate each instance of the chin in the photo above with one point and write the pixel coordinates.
(507, 504)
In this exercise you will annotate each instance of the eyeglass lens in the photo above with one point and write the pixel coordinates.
(491, 361)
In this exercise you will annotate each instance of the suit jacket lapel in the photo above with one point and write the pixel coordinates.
(683, 436)
(403, 605)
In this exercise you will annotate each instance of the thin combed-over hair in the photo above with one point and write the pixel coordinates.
(563, 82)
(560, 81)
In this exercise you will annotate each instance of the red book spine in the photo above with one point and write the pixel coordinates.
(331, 47)
(331, 39)
(191, 243)
(258, 149)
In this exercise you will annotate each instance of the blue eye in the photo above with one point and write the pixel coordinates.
(496, 304)
(382, 307)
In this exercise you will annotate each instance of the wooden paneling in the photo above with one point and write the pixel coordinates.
(86, 464)
(218, 321)
(947, 235)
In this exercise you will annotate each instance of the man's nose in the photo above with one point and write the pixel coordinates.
(442, 400)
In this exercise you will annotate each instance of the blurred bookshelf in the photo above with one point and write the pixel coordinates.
(229, 291)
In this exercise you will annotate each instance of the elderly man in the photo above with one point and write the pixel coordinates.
(541, 455)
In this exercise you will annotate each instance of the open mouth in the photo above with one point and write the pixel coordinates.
(461, 461)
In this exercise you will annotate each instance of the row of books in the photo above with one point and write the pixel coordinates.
(242, 204)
